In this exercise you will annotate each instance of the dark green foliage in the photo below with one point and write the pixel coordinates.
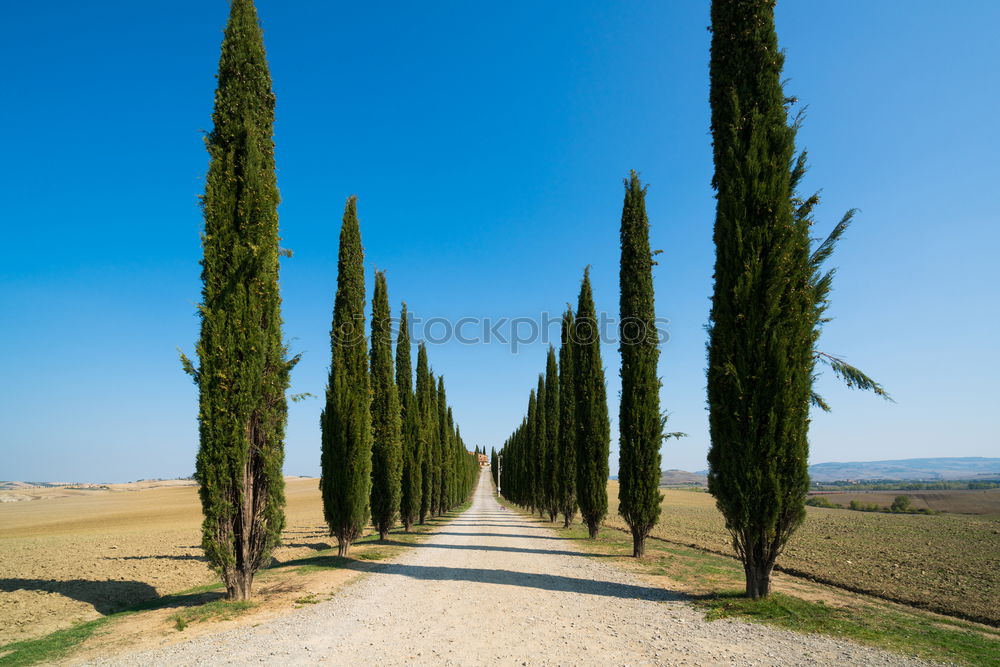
(243, 371)
(444, 436)
(566, 475)
(764, 318)
(593, 437)
(540, 432)
(493, 464)
(346, 421)
(411, 491)
(551, 482)
(770, 296)
(900, 504)
(640, 423)
(387, 463)
(426, 402)
(529, 460)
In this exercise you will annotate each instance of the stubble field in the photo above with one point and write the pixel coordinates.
(75, 555)
(948, 563)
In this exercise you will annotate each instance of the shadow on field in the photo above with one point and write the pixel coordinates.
(106, 596)
(317, 546)
(171, 557)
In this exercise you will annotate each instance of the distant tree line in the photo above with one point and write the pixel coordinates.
(900, 505)
(895, 485)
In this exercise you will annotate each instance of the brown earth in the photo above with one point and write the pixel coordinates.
(72, 555)
(986, 501)
(948, 563)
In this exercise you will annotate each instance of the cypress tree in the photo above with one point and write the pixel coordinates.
(567, 423)
(423, 400)
(528, 457)
(769, 297)
(552, 395)
(387, 463)
(411, 491)
(243, 371)
(640, 424)
(493, 464)
(762, 322)
(443, 449)
(542, 483)
(346, 421)
(593, 436)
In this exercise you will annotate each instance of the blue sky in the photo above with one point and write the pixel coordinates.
(486, 144)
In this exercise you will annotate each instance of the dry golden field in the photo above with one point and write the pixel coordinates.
(74, 555)
(948, 563)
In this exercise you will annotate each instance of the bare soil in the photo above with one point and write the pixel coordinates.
(71, 555)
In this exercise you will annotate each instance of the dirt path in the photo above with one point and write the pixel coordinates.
(493, 589)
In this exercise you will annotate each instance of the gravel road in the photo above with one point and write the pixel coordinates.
(493, 589)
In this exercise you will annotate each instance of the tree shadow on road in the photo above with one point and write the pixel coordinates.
(546, 582)
(484, 547)
(524, 537)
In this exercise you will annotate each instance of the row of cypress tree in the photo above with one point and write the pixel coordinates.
(388, 454)
(557, 460)
(770, 295)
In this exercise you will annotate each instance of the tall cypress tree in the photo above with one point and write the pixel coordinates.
(762, 323)
(593, 431)
(426, 415)
(552, 434)
(346, 421)
(411, 491)
(567, 423)
(493, 463)
(243, 371)
(542, 483)
(442, 444)
(387, 462)
(528, 468)
(769, 298)
(640, 424)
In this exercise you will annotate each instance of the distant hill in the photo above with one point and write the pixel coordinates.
(940, 469)
(682, 478)
(933, 469)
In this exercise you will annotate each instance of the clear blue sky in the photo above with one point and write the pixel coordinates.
(486, 143)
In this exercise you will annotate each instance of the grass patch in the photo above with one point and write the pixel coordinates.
(216, 610)
(309, 599)
(48, 648)
(879, 626)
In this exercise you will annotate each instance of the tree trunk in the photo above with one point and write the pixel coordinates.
(592, 528)
(239, 586)
(407, 524)
(343, 546)
(638, 543)
(758, 577)
(567, 521)
(382, 534)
